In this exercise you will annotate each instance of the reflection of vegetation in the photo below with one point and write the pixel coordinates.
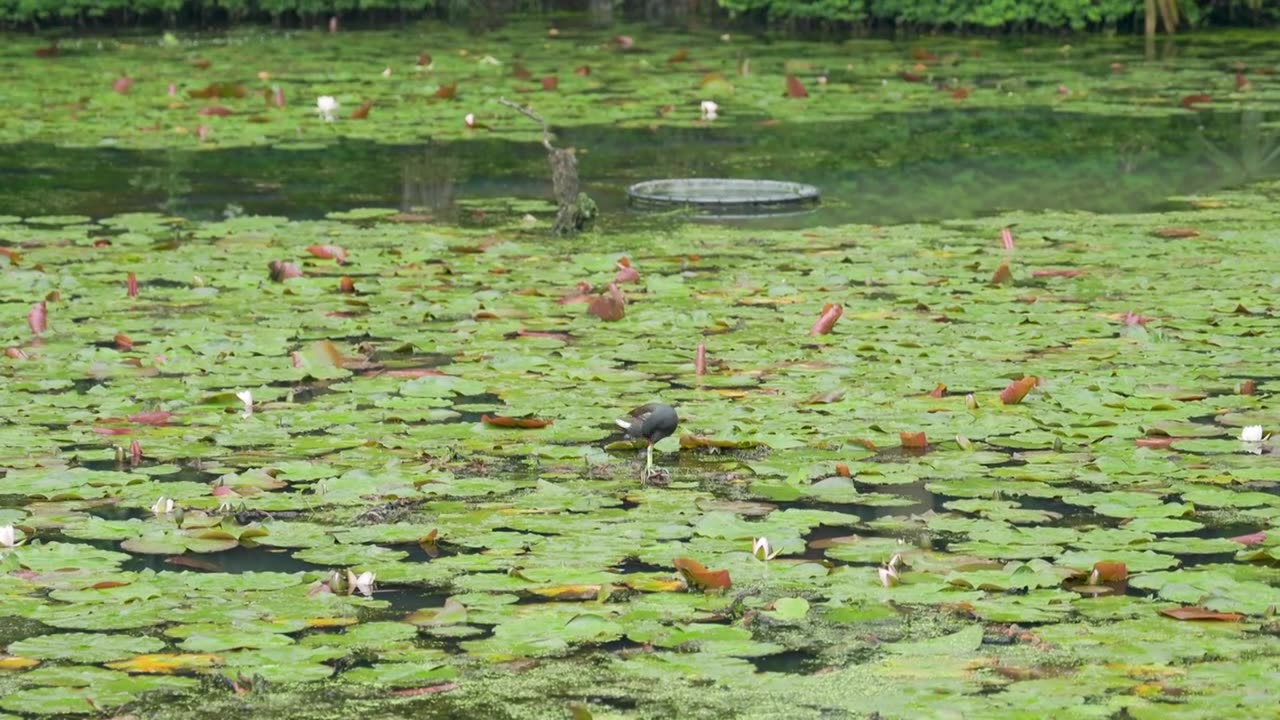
(429, 182)
(167, 180)
(1259, 149)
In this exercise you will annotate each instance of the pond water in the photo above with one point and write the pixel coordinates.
(888, 169)
(315, 419)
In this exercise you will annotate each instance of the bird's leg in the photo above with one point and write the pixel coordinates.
(651, 473)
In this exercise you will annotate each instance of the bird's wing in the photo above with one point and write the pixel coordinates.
(633, 422)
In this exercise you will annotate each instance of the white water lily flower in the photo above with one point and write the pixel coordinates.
(326, 106)
(469, 120)
(888, 577)
(760, 548)
(7, 538)
(889, 573)
(1251, 433)
(246, 397)
(490, 60)
(163, 506)
(362, 583)
(709, 108)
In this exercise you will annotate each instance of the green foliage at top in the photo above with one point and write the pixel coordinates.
(1042, 14)
(54, 11)
(1073, 14)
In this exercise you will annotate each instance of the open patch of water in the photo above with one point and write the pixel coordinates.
(947, 164)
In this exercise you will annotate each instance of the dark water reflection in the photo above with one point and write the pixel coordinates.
(889, 169)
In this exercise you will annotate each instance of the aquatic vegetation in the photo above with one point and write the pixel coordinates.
(253, 458)
(391, 434)
(235, 86)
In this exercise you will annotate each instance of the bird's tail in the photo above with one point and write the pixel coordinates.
(624, 424)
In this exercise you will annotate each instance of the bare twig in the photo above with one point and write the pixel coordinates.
(546, 133)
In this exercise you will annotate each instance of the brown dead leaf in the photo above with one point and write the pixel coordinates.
(328, 252)
(218, 90)
(826, 319)
(913, 440)
(1199, 613)
(794, 89)
(697, 575)
(609, 306)
(1176, 232)
(1111, 572)
(1002, 275)
(1018, 389)
(1191, 101)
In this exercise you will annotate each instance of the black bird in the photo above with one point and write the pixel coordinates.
(652, 422)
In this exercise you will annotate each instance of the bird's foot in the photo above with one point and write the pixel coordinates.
(655, 476)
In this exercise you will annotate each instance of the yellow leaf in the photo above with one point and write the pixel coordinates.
(10, 662)
(572, 592)
(167, 663)
(656, 584)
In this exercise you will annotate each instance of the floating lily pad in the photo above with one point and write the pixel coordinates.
(85, 647)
